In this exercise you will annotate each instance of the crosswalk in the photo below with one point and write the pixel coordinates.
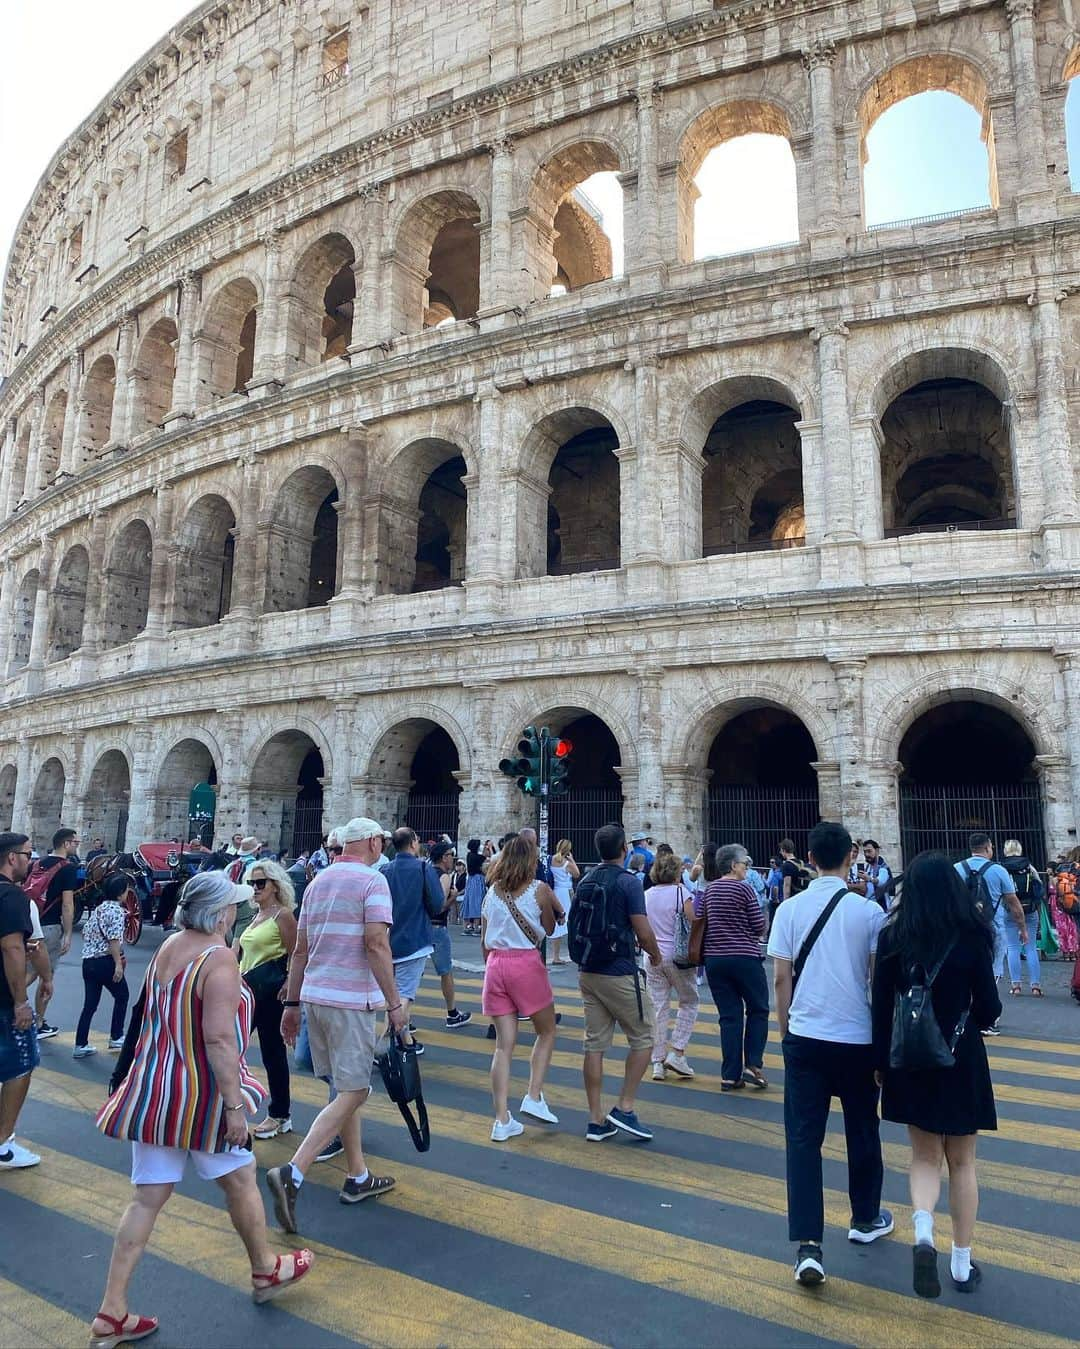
(547, 1240)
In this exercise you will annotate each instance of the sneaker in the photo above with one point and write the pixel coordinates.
(282, 1187)
(353, 1190)
(967, 1285)
(995, 1029)
(333, 1149)
(678, 1064)
(658, 1073)
(455, 1019)
(14, 1155)
(596, 1133)
(117, 1044)
(417, 1046)
(809, 1266)
(867, 1232)
(925, 1271)
(83, 1051)
(46, 1032)
(628, 1122)
(510, 1128)
(538, 1109)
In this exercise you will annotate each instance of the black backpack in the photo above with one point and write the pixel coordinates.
(975, 880)
(597, 925)
(1028, 888)
(917, 1043)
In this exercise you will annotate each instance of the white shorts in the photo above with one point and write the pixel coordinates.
(152, 1164)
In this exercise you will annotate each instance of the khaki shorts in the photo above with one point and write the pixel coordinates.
(342, 1043)
(53, 934)
(615, 998)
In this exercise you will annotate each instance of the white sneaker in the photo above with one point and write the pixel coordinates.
(658, 1073)
(83, 1051)
(678, 1064)
(501, 1131)
(13, 1156)
(117, 1044)
(538, 1109)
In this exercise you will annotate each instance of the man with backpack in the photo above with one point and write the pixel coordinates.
(822, 944)
(991, 886)
(795, 875)
(51, 885)
(607, 923)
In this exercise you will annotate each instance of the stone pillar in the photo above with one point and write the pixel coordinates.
(124, 389)
(269, 364)
(157, 615)
(850, 749)
(1058, 473)
(1069, 664)
(500, 294)
(20, 809)
(645, 256)
(883, 808)
(7, 598)
(183, 390)
(830, 804)
(867, 443)
(68, 456)
(32, 481)
(1059, 818)
(813, 481)
(1034, 195)
(647, 487)
(94, 612)
(41, 607)
(356, 453)
(824, 231)
(484, 567)
(372, 309)
(841, 558)
(142, 803)
(685, 823)
(650, 775)
(246, 601)
(482, 803)
(338, 800)
(680, 468)
(10, 451)
(234, 785)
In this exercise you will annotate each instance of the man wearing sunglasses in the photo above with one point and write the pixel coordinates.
(18, 1035)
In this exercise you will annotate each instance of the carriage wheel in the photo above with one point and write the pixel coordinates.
(132, 918)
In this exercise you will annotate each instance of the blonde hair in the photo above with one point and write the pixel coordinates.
(276, 874)
(1012, 848)
(666, 870)
(514, 867)
(563, 848)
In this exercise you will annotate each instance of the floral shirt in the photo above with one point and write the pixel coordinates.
(103, 925)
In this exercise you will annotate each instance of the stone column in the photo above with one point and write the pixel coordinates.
(246, 600)
(1034, 195)
(645, 257)
(841, 557)
(123, 409)
(680, 469)
(337, 802)
(41, 607)
(141, 803)
(480, 796)
(684, 820)
(650, 775)
(830, 804)
(372, 308)
(20, 808)
(183, 390)
(94, 612)
(883, 808)
(824, 230)
(850, 750)
(1069, 664)
(68, 457)
(234, 785)
(646, 546)
(483, 564)
(10, 450)
(813, 481)
(356, 453)
(1059, 818)
(157, 616)
(1055, 445)
(500, 241)
(7, 598)
(269, 364)
(32, 481)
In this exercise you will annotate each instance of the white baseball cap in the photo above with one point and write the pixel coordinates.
(359, 829)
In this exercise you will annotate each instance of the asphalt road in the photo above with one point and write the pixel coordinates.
(548, 1241)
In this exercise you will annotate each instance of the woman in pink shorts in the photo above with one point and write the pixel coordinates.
(518, 910)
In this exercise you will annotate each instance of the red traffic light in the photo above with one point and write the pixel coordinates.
(562, 748)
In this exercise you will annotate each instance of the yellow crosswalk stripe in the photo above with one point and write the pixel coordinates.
(345, 1293)
(30, 1322)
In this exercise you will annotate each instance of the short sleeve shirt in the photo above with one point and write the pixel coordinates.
(14, 917)
(628, 899)
(67, 878)
(997, 880)
(338, 904)
(104, 924)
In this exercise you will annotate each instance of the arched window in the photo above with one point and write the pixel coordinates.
(99, 390)
(186, 765)
(411, 777)
(303, 544)
(286, 802)
(127, 585)
(751, 490)
(423, 519)
(69, 604)
(156, 373)
(437, 267)
(47, 804)
(226, 341)
(204, 566)
(23, 625)
(578, 199)
(320, 302)
(107, 797)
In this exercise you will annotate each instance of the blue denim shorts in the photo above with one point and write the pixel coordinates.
(442, 957)
(18, 1048)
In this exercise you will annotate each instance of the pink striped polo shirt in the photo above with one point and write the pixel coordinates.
(337, 904)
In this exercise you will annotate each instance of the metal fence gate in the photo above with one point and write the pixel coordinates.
(433, 813)
(578, 815)
(301, 826)
(759, 817)
(942, 817)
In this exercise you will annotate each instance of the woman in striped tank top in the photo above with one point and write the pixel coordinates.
(182, 1090)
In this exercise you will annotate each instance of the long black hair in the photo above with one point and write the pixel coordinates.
(708, 862)
(935, 906)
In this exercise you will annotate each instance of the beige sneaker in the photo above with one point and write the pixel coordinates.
(678, 1064)
(658, 1072)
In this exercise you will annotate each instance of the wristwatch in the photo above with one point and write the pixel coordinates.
(290, 1004)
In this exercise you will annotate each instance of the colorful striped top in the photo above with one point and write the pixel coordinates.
(170, 1095)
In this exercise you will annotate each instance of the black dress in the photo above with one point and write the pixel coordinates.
(956, 1100)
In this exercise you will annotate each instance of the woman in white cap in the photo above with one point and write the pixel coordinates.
(182, 1092)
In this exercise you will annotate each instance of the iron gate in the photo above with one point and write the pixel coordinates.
(578, 815)
(941, 818)
(301, 826)
(759, 817)
(433, 813)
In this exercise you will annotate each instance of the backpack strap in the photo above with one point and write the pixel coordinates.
(815, 932)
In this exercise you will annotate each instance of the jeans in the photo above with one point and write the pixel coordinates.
(1000, 942)
(97, 973)
(1031, 950)
(267, 1022)
(737, 982)
(814, 1072)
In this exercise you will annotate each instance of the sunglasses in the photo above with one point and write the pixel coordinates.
(261, 882)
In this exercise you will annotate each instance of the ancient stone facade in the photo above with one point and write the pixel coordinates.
(326, 425)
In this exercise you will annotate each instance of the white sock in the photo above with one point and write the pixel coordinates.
(360, 1179)
(961, 1263)
(298, 1176)
(924, 1227)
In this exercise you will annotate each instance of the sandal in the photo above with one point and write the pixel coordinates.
(1015, 991)
(267, 1286)
(272, 1126)
(1036, 991)
(754, 1077)
(144, 1325)
(731, 1086)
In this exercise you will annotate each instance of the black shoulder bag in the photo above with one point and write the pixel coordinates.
(401, 1077)
(803, 953)
(917, 1042)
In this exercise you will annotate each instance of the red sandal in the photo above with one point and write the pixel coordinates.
(268, 1286)
(144, 1325)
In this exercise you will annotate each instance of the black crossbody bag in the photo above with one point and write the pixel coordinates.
(815, 932)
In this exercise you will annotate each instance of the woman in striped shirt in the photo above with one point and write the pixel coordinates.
(734, 969)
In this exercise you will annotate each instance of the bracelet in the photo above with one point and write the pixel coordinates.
(235, 1107)
(394, 1009)
(290, 1004)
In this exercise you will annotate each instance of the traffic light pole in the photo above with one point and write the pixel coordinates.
(542, 832)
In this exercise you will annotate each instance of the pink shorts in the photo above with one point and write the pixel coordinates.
(516, 981)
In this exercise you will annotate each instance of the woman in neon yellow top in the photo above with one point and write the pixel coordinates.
(265, 947)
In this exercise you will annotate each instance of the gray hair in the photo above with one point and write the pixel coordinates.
(1013, 848)
(278, 877)
(204, 899)
(728, 856)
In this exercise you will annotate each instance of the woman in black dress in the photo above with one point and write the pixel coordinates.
(944, 1108)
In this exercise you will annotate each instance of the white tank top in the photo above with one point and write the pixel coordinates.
(502, 932)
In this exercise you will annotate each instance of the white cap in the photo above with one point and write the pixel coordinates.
(359, 829)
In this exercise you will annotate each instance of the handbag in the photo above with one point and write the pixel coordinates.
(698, 929)
(680, 947)
(265, 980)
(400, 1070)
(917, 1043)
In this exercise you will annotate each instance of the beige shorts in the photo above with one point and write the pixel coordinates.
(53, 934)
(342, 1041)
(611, 999)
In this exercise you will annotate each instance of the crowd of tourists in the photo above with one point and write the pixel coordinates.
(325, 956)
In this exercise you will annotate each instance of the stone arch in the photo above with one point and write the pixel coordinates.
(570, 702)
(99, 392)
(186, 763)
(709, 714)
(204, 564)
(47, 803)
(436, 276)
(423, 523)
(9, 777)
(69, 604)
(107, 797)
(320, 299)
(155, 373)
(414, 769)
(127, 584)
(427, 714)
(303, 558)
(52, 438)
(706, 406)
(571, 246)
(285, 799)
(709, 130)
(22, 634)
(225, 339)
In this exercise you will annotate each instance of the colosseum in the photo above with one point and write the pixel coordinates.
(338, 446)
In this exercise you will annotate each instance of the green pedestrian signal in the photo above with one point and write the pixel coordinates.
(528, 768)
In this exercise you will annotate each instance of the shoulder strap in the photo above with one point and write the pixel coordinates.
(523, 923)
(933, 974)
(815, 932)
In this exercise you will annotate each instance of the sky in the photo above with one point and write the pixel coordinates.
(925, 153)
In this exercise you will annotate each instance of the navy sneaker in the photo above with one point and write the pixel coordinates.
(455, 1019)
(809, 1266)
(596, 1133)
(867, 1232)
(333, 1149)
(628, 1122)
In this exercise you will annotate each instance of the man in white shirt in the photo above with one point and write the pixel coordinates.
(823, 1007)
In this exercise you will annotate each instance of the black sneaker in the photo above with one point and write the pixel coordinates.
(417, 1046)
(809, 1266)
(628, 1122)
(867, 1232)
(455, 1019)
(333, 1149)
(46, 1032)
(925, 1278)
(972, 1281)
(282, 1187)
(596, 1133)
(995, 1029)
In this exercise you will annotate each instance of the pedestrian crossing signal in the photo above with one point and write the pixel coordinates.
(528, 768)
(559, 768)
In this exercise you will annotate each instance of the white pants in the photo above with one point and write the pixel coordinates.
(152, 1164)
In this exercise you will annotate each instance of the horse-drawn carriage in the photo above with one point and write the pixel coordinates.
(154, 871)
